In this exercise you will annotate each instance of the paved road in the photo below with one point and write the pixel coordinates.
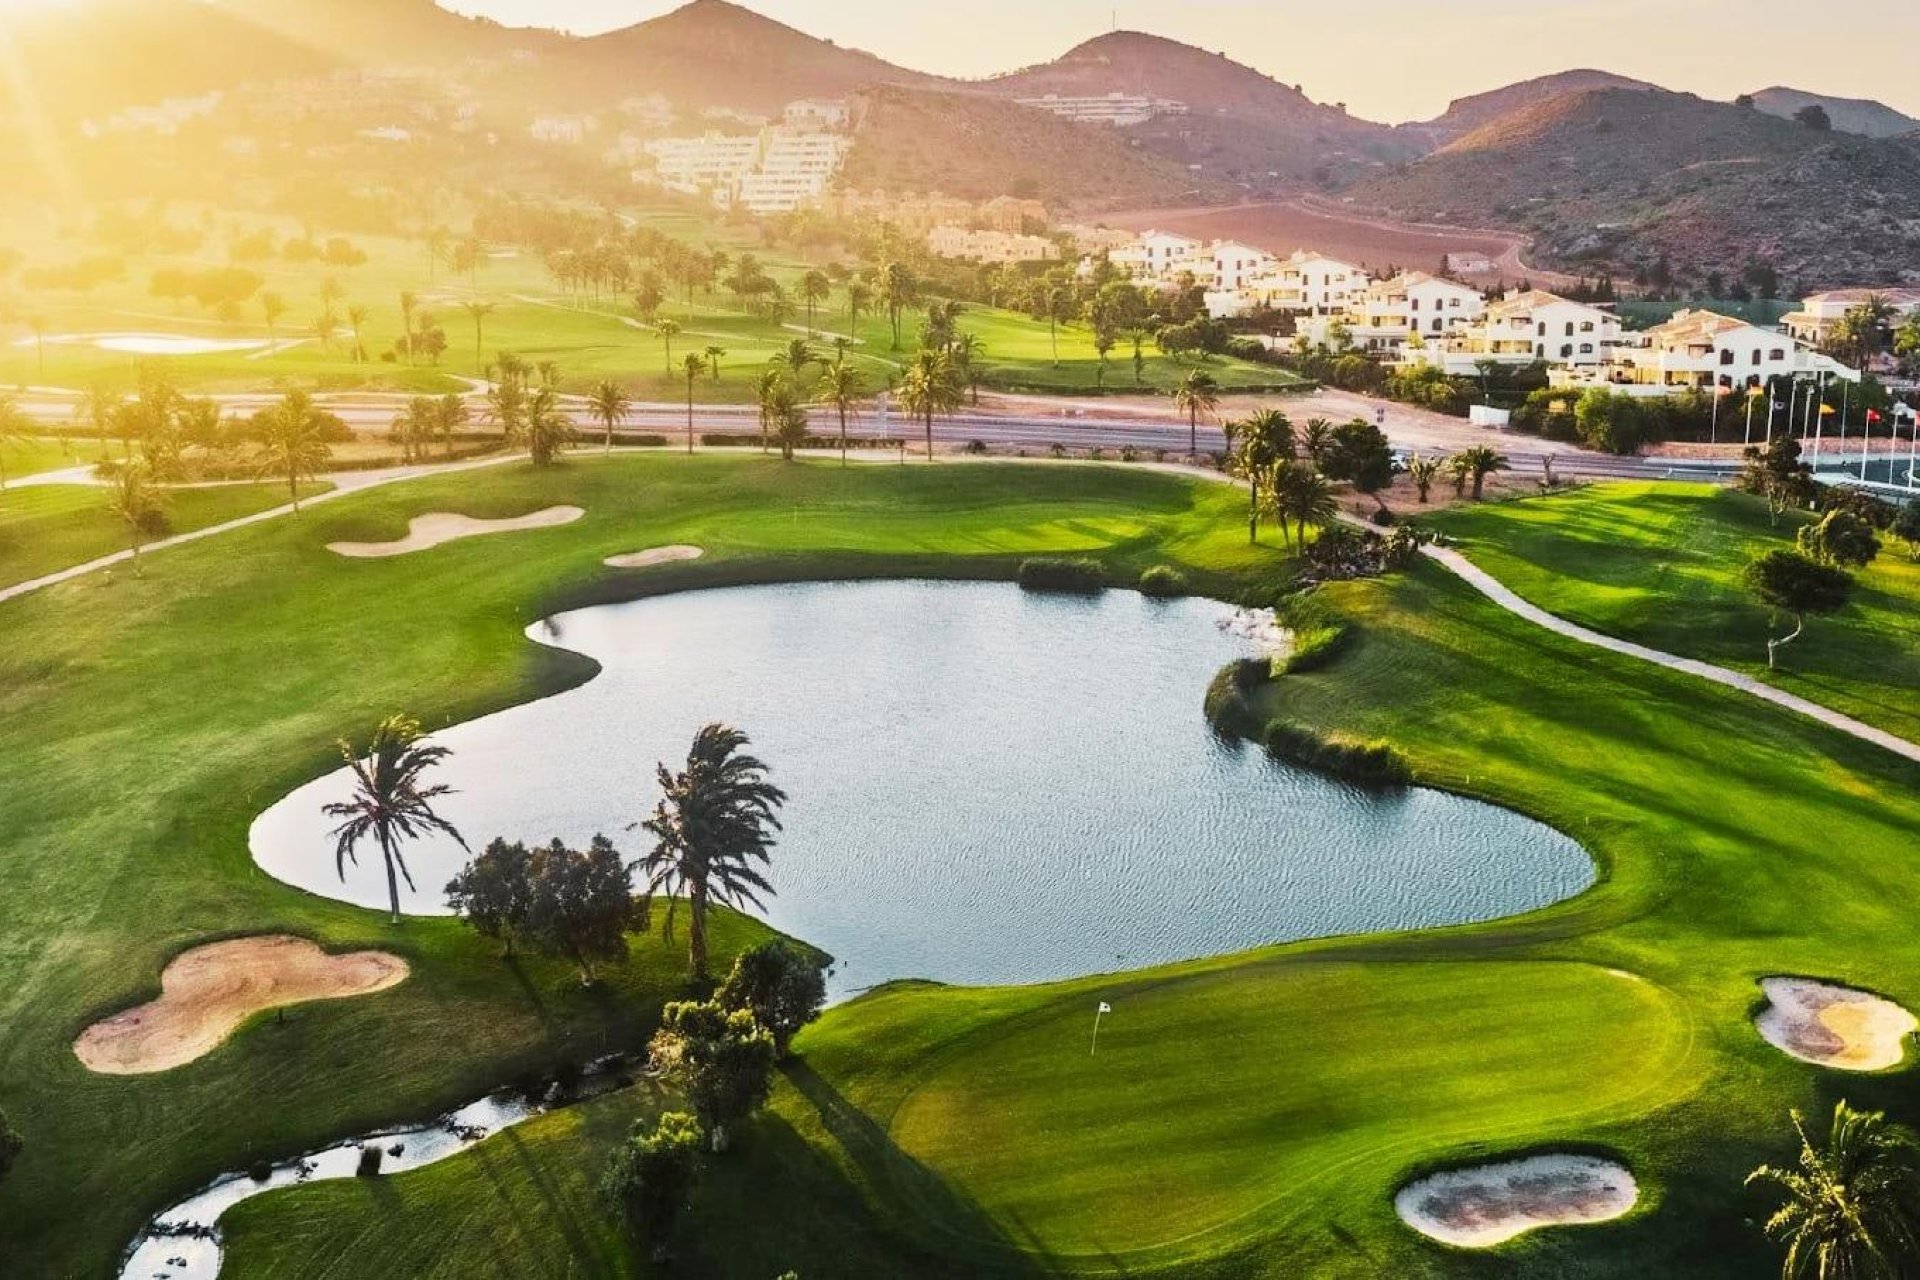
(1507, 599)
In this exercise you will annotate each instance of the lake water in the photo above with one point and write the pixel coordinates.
(987, 786)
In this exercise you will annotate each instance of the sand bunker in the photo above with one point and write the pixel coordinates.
(1834, 1026)
(429, 531)
(653, 556)
(1491, 1203)
(209, 991)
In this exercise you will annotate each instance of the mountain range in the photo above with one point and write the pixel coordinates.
(1599, 168)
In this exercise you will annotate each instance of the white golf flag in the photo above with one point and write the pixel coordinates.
(1105, 1007)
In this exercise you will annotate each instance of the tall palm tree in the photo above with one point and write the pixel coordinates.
(13, 432)
(1850, 1211)
(389, 803)
(715, 820)
(1197, 396)
(668, 331)
(478, 311)
(1298, 493)
(815, 288)
(1256, 443)
(132, 497)
(693, 367)
(1482, 462)
(293, 441)
(929, 388)
(609, 405)
(842, 388)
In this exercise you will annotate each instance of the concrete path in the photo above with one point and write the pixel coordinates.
(1501, 595)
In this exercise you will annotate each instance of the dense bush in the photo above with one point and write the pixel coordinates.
(1163, 582)
(1043, 573)
(1373, 764)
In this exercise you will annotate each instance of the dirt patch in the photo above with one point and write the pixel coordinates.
(1834, 1026)
(1489, 1204)
(209, 991)
(436, 529)
(652, 556)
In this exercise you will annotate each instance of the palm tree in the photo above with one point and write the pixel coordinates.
(293, 441)
(693, 367)
(1850, 1211)
(1482, 462)
(1298, 493)
(859, 301)
(668, 330)
(1197, 396)
(842, 388)
(929, 388)
(1423, 472)
(815, 288)
(13, 432)
(478, 311)
(1256, 444)
(715, 820)
(449, 416)
(273, 306)
(714, 356)
(609, 404)
(389, 803)
(132, 497)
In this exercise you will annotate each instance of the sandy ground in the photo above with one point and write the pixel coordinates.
(433, 530)
(1834, 1026)
(652, 556)
(206, 993)
(1492, 1203)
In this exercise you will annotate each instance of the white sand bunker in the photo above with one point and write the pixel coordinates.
(1489, 1204)
(652, 556)
(209, 991)
(1834, 1026)
(429, 531)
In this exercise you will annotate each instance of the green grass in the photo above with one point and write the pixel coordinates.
(1248, 1115)
(46, 528)
(1661, 563)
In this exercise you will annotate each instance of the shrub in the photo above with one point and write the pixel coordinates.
(1372, 764)
(1083, 577)
(1163, 582)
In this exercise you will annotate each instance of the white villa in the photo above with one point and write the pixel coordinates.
(1701, 349)
(1305, 283)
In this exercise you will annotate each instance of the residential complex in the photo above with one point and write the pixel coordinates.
(1110, 109)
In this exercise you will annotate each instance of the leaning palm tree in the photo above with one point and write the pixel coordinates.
(1298, 493)
(716, 819)
(389, 803)
(929, 388)
(609, 405)
(1197, 396)
(1255, 445)
(842, 388)
(132, 497)
(1850, 1212)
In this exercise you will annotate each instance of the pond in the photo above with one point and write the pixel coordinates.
(987, 786)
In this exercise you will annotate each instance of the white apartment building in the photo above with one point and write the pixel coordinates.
(1822, 313)
(1413, 309)
(1304, 283)
(1160, 257)
(1701, 350)
(1112, 109)
(773, 171)
(989, 246)
(1530, 326)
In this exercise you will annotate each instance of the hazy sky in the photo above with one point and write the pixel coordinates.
(1388, 60)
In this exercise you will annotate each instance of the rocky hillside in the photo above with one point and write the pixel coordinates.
(978, 147)
(1242, 127)
(1849, 115)
(1622, 178)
